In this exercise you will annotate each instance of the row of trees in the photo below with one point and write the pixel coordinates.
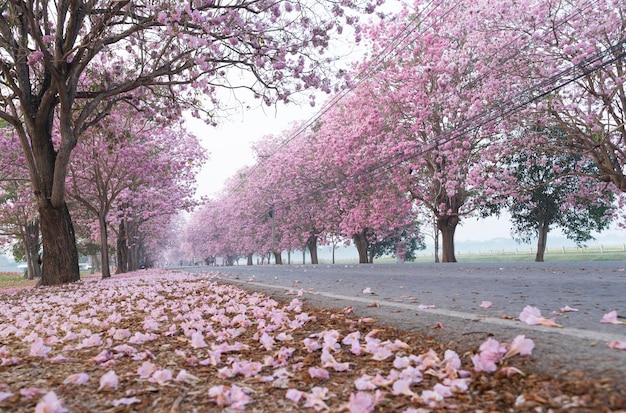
(126, 181)
(67, 66)
(459, 109)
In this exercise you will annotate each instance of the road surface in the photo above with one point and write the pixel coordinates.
(456, 291)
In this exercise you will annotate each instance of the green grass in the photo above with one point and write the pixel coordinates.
(10, 277)
(613, 253)
(551, 255)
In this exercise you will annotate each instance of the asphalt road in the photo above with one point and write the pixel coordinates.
(456, 290)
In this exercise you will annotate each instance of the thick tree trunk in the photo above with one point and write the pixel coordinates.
(542, 232)
(278, 258)
(447, 225)
(311, 244)
(104, 248)
(249, 259)
(60, 260)
(360, 242)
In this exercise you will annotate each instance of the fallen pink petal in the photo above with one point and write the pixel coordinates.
(50, 404)
(486, 304)
(611, 318)
(617, 344)
(532, 316)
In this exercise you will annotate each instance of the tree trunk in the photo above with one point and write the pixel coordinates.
(447, 225)
(104, 248)
(60, 260)
(311, 243)
(249, 259)
(542, 232)
(31, 249)
(360, 242)
(436, 239)
(278, 258)
(122, 250)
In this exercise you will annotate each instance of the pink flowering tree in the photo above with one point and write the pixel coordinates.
(293, 171)
(580, 46)
(70, 62)
(361, 196)
(138, 167)
(18, 218)
(430, 107)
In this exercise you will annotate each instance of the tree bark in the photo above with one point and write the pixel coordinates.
(31, 248)
(542, 232)
(436, 239)
(447, 225)
(311, 243)
(60, 260)
(104, 248)
(278, 258)
(122, 250)
(249, 259)
(360, 241)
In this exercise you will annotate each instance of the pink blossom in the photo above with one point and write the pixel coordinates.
(197, 340)
(532, 316)
(103, 356)
(59, 358)
(402, 387)
(233, 397)
(184, 377)
(108, 381)
(78, 378)
(365, 383)
(431, 398)
(161, 376)
(38, 349)
(267, 341)
(121, 334)
(318, 373)
(442, 390)
(50, 404)
(611, 318)
(618, 344)
(34, 57)
(92, 341)
(520, 345)
(568, 309)
(5, 395)
(294, 395)
(30, 392)
(362, 402)
(486, 304)
(316, 399)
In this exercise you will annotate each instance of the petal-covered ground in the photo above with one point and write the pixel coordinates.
(156, 341)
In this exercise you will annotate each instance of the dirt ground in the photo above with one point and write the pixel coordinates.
(23, 384)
